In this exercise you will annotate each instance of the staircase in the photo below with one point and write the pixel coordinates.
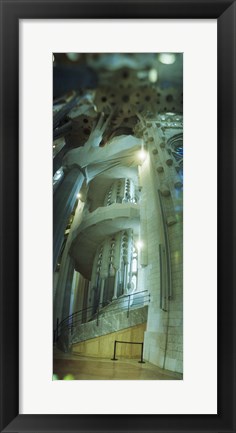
(124, 312)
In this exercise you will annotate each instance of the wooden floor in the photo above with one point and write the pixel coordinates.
(88, 368)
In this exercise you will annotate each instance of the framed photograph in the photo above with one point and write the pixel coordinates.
(117, 165)
(117, 220)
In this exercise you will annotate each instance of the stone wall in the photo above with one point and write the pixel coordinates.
(161, 216)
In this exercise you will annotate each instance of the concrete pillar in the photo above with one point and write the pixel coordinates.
(126, 278)
(130, 273)
(63, 289)
(115, 285)
(68, 289)
(63, 203)
(102, 290)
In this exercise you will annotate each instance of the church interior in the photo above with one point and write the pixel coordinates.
(118, 216)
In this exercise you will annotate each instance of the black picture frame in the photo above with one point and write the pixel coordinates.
(11, 12)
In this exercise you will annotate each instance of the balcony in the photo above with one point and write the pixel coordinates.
(104, 221)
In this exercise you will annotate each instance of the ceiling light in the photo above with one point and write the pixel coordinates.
(153, 75)
(142, 155)
(167, 58)
(139, 244)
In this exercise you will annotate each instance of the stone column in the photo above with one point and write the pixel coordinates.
(68, 290)
(102, 290)
(125, 291)
(130, 273)
(64, 280)
(115, 285)
(63, 203)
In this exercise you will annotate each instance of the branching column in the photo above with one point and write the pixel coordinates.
(63, 203)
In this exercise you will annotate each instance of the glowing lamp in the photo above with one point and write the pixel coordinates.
(139, 244)
(142, 155)
(152, 75)
(167, 58)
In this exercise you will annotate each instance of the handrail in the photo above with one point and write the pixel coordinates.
(73, 314)
(90, 308)
(128, 302)
(118, 308)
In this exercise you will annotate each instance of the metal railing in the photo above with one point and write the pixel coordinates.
(127, 342)
(123, 303)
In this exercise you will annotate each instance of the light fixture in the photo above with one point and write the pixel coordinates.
(142, 155)
(153, 75)
(139, 244)
(167, 58)
(79, 195)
